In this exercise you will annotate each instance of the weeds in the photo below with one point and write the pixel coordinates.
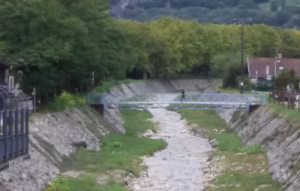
(245, 167)
(87, 182)
(66, 100)
(118, 151)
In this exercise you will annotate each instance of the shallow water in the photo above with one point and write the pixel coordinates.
(178, 166)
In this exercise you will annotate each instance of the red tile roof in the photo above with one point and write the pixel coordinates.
(260, 64)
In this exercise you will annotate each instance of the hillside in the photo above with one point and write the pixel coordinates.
(282, 13)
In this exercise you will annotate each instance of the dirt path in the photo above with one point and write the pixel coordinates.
(179, 166)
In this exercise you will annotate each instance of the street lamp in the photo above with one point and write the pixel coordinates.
(275, 73)
(242, 57)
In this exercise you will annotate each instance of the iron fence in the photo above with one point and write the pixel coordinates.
(289, 99)
(14, 134)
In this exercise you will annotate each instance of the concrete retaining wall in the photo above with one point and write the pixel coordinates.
(278, 136)
(51, 137)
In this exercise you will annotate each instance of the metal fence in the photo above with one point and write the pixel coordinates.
(14, 131)
(285, 98)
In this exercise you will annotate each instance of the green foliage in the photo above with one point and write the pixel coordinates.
(59, 44)
(287, 76)
(133, 126)
(120, 151)
(80, 184)
(213, 11)
(246, 182)
(66, 100)
(251, 149)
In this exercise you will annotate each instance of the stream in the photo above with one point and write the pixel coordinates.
(179, 166)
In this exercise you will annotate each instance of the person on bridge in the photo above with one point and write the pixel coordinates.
(183, 95)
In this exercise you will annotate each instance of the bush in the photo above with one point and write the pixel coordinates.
(251, 149)
(248, 84)
(66, 100)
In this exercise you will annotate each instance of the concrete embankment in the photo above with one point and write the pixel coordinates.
(278, 136)
(52, 136)
(51, 139)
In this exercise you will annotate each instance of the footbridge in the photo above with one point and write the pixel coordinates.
(215, 101)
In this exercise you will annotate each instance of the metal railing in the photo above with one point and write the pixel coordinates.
(177, 101)
(14, 132)
(285, 98)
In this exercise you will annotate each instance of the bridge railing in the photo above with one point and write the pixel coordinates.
(176, 100)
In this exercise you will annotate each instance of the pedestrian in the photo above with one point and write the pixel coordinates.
(183, 95)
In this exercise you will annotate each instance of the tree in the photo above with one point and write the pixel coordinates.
(286, 77)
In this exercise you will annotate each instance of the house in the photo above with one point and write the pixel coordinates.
(263, 69)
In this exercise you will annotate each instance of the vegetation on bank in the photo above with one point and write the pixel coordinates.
(118, 151)
(68, 45)
(245, 167)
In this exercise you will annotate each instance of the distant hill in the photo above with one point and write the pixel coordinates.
(281, 13)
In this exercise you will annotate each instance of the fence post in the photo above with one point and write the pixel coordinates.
(22, 131)
(1, 138)
(27, 130)
(4, 119)
(10, 126)
(17, 131)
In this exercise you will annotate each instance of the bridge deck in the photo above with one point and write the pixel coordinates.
(173, 100)
(178, 102)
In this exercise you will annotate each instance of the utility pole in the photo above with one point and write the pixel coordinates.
(242, 54)
(242, 61)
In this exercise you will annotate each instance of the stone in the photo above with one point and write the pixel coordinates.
(79, 144)
(214, 143)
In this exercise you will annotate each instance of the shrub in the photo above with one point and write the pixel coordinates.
(66, 100)
(251, 149)
(248, 84)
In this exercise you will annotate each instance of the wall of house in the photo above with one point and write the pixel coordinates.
(278, 136)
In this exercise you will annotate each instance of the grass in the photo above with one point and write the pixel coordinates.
(85, 183)
(245, 167)
(118, 151)
(284, 112)
(136, 121)
(205, 119)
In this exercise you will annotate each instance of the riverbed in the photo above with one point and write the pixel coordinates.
(179, 166)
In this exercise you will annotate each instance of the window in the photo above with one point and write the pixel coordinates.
(267, 69)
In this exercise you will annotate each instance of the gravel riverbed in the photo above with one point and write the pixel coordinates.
(183, 165)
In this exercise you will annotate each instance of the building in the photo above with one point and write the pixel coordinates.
(264, 68)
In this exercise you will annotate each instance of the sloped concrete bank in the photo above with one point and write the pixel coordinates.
(52, 136)
(279, 137)
(51, 139)
(163, 86)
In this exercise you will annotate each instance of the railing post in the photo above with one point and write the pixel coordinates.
(1, 138)
(17, 131)
(5, 135)
(27, 131)
(22, 131)
(10, 126)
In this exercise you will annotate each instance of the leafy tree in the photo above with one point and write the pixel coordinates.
(287, 76)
